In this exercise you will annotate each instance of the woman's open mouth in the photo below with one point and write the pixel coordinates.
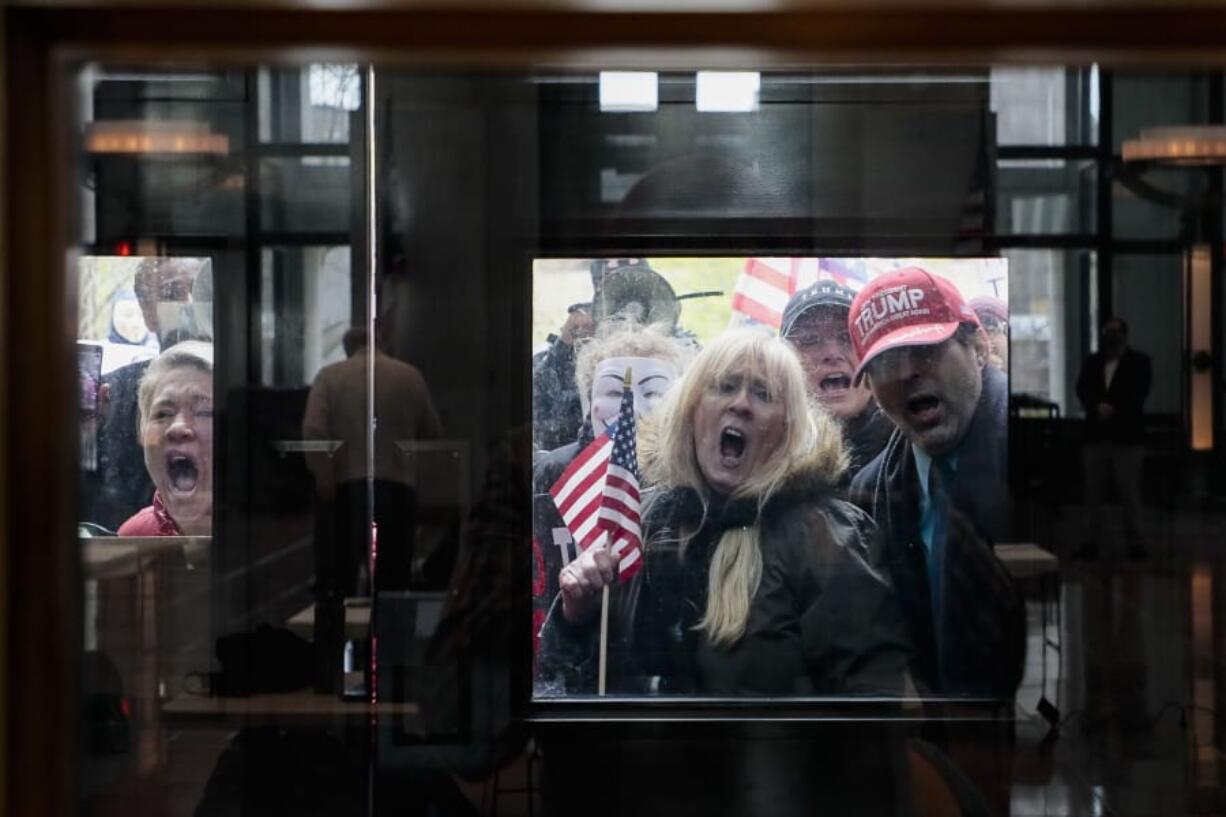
(732, 443)
(835, 383)
(183, 472)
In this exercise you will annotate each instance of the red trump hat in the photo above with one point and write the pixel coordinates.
(906, 307)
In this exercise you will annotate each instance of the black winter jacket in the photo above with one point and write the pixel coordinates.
(823, 621)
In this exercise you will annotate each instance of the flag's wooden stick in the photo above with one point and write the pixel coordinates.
(604, 638)
(604, 593)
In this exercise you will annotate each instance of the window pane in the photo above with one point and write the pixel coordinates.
(169, 141)
(199, 343)
(1046, 197)
(360, 434)
(1047, 294)
(1044, 106)
(312, 104)
(1149, 100)
(1158, 204)
(1148, 294)
(1154, 99)
(307, 195)
(305, 310)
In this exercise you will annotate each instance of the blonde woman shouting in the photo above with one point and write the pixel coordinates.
(757, 579)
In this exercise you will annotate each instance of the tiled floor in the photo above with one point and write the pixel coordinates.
(1138, 681)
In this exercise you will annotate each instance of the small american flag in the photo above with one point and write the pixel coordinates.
(598, 493)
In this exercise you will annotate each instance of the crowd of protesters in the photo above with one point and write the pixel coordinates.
(819, 505)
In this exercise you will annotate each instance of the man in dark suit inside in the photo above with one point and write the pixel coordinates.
(1112, 387)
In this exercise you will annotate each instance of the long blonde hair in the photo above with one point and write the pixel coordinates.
(812, 442)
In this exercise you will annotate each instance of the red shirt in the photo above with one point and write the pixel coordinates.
(151, 521)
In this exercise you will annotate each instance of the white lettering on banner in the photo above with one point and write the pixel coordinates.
(888, 306)
(562, 540)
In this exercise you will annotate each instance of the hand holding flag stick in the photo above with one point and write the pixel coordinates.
(598, 498)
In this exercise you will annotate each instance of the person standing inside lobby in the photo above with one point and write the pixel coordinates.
(1112, 386)
(336, 411)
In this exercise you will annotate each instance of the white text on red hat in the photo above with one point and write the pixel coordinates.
(888, 306)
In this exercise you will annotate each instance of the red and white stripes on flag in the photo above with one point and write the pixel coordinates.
(766, 284)
(598, 493)
(763, 289)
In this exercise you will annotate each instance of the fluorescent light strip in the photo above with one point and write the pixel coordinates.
(624, 91)
(728, 91)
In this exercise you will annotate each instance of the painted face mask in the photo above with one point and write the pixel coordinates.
(651, 379)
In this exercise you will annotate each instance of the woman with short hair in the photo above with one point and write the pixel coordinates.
(175, 402)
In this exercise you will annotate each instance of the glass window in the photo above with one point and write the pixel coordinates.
(1047, 306)
(793, 365)
(316, 283)
(1152, 286)
(1156, 98)
(1044, 106)
(1156, 203)
(321, 194)
(313, 104)
(1046, 197)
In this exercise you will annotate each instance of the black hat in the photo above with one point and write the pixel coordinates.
(630, 288)
(823, 293)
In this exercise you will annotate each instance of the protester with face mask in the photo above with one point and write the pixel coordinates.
(655, 361)
(1112, 387)
(175, 297)
(625, 291)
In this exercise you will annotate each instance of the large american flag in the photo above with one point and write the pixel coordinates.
(598, 493)
(766, 284)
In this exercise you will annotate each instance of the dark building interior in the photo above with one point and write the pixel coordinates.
(243, 671)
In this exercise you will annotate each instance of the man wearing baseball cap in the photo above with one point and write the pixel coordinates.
(815, 321)
(938, 488)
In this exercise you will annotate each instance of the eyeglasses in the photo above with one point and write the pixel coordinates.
(894, 363)
(806, 339)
